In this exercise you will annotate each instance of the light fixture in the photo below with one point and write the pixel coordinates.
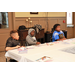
(28, 22)
(29, 18)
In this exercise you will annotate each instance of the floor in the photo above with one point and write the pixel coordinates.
(2, 57)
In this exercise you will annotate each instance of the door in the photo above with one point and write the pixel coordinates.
(6, 25)
(70, 21)
(74, 22)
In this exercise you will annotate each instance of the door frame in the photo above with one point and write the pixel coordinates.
(5, 33)
(72, 24)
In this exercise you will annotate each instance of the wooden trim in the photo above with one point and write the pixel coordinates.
(74, 22)
(38, 17)
(13, 20)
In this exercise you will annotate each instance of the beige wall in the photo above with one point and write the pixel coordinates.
(40, 14)
(56, 14)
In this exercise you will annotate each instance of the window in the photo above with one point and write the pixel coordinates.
(69, 18)
(3, 20)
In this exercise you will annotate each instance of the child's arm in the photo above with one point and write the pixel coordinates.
(61, 39)
(30, 41)
(10, 48)
(58, 39)
(64, 38)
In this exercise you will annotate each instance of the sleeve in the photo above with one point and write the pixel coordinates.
(56, 36)
(8, 43)
(29, 41)
(62, 33)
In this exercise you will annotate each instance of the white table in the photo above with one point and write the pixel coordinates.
(54, 51)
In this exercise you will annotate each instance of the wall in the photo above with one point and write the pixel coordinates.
(43, 21)
(3, 38)
(41, 18)
(56, 14)
(40, 14)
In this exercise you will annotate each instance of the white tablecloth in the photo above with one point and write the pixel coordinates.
(55, 50)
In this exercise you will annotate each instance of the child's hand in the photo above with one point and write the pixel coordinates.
(22, 46)
(38, 43)
(64, 38)
(17, 46)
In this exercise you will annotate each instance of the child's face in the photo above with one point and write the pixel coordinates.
(58, 28)
(32, 33)
(16, 36)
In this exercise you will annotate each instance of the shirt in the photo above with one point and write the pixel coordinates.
(12, 42)
(55, 35)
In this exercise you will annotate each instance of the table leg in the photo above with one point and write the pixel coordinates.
(43, 40)
(6, 59)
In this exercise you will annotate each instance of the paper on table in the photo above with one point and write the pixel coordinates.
(44, 59)
(65, 43)
(40, 45)
(22, 50)
(45, 44)
(70, 50)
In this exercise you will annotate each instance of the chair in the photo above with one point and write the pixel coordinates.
(26, 43)
(51, 36)
(6, 58)
(48, 37)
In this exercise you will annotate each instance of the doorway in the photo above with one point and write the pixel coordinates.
(6, 25)
(70, 24)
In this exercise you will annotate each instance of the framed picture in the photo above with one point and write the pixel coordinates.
(33, 12)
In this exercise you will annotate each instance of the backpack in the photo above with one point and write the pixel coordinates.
(37, 27)
(22, 27)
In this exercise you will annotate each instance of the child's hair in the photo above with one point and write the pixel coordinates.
(13, 31)
(55, 26)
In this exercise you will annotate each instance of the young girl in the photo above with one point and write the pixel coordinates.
(58, 35)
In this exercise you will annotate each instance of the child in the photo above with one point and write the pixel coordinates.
(12, 41)
(58, 35)
(30, 39)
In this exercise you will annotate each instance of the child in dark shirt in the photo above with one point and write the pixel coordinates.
(12, 41)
